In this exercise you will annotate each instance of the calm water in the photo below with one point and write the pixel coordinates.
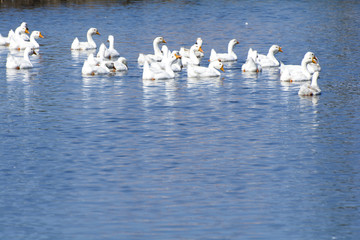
(240, 157)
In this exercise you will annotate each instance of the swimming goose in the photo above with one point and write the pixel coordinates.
(111, 51)
(194, 71)
(90, 44)
(176, 66)
(157, 56)
(121, 64)
(5, 41)
(290, 73)
(269, 60)
(251, 65)
(192, 59)
(155, 74)
(185, 52)
(16, 39)
(225, 57)
(311, 89)
(21, 44)
(101, 69)
(20, 62)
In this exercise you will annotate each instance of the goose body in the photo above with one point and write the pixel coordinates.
(290, 73)
(157, 56)
(17, 38)
(311, 89)
(102, 69)
(251, 65)
(269, 60)
(156, 74)
(176, 65)
(185, 52)
(90, 44)
(212, 70)
(20, 62)
(192, 59)
(22, 44)
(225, 57)
(5, 41)
(111, 51)
(121, 64)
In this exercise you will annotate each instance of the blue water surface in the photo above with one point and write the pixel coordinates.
(237, 157)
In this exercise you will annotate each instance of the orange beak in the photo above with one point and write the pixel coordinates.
(26, 30)
(97, 32)
(280, 50)
(200, 49)
(222, 68)
(177, 56)
(41, 35)
(164, 41)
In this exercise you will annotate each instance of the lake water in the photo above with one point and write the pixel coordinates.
(239, 157)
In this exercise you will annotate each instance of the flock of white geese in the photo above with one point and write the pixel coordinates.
(163, 63)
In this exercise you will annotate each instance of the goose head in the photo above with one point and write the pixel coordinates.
(275, 49)
(199, 41)
(24, 25)
(233, 42)
(110, 39)
(159, 40)
(93, 31)
(217, 64)
(36, 34)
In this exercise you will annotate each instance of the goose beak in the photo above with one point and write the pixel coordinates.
(177, 56)
(200, 49)
(97, 32)
(27, 30)
(237, 42)
(34, 52)
(280, 50)
(40, 35)
(164, 41)
(313, 60)
(222, 68)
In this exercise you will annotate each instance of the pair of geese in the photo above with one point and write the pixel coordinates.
(19, 40)
(106, 61)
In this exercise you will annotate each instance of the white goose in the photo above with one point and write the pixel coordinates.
(90, 44)
(16, 38)
(225, 57)
(24, 35)
(250, 65)
(176, 66)
(192, 59)
(121, 64)
(21, 44)
(102, 69)
(269, 60)
(185, 52)
(157, 56)
(111, 51)
(311, 89)
(20, 62)
(290, 73)
(194, 71)
(5, 41)
(156, 74)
